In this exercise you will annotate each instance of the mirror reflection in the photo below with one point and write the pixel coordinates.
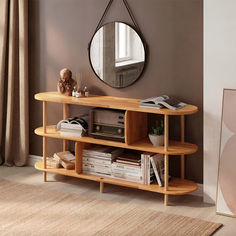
(117, 54)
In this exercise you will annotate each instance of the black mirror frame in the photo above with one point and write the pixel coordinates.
(145, 54)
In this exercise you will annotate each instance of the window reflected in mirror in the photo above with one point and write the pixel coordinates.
(117, 54)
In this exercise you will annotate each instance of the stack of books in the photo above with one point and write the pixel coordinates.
(128, 167)
(140, 168)
(65, 159)
(98, 159)
(76, 127)
(53, 163)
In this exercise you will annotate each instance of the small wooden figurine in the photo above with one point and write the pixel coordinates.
(66, 83)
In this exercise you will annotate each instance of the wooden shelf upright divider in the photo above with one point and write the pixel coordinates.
(135, 138)
(65, 116)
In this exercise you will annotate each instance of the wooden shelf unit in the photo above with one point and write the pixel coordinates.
(135, 138)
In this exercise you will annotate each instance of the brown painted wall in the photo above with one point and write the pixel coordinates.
(173, 29)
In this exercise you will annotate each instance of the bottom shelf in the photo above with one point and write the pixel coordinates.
(176, 186)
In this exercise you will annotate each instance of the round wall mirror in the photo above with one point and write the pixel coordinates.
(117, 54)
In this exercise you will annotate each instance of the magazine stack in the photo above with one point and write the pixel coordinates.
(163, 101)
(128, 167)
(98, 159)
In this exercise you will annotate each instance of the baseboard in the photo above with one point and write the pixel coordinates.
(33, 159)
(199, 191)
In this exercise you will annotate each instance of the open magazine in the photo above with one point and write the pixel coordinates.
(163, 101)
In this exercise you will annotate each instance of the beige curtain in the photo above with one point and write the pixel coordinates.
(14, 82)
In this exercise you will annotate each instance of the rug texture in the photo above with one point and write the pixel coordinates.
(31, 210)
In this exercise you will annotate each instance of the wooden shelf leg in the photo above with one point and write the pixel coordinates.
(166, 178)
(166, 199)
(45, 158)
(182, 166)
(79, 157)
(101, 187)
(44, 140)
(166, 143)
(65, 116)
(182, 140)
(166, 133)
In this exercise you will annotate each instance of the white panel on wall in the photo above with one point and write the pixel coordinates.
(219, 73)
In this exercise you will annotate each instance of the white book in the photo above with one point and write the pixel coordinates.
(96, 161)
(97, 168)
(105, 151)
(95, 173)
(161, 167)
(143, 168)
(128, 178)
(99, 157)
(125, 172)
(156, 171)
(71, 126)
(148, 167)
(73, 134)
(121, 166)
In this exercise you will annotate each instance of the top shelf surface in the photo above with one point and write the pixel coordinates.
(129, 104)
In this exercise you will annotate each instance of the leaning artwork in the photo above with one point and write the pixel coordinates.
(226, 187)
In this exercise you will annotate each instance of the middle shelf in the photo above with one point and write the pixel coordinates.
(174, 148)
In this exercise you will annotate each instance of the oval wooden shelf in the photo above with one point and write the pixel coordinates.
(176, 186)
(129, 104)
(174, 148)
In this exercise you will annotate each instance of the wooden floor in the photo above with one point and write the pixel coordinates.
(189, 205)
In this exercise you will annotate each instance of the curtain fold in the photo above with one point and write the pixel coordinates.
(14, 133)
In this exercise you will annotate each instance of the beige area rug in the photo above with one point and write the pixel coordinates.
(30, 210)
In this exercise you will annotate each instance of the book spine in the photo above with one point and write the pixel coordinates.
(96, 161)
(161, 168)
(124, 172)
(79, 135)
(128, 178)
(126, 167)
(96, 168)
(148, 170)
(156, 172)
(97, 157)
(71, 126)
(95, 153)
(145, 169)
(95, 173)
(142, 168)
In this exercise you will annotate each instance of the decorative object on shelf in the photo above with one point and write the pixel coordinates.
(226, 188)
(66, 83)
(117, 51)
(107, 124)
(74, 91)
(163, 101)
(157, 135)
(86, 92)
